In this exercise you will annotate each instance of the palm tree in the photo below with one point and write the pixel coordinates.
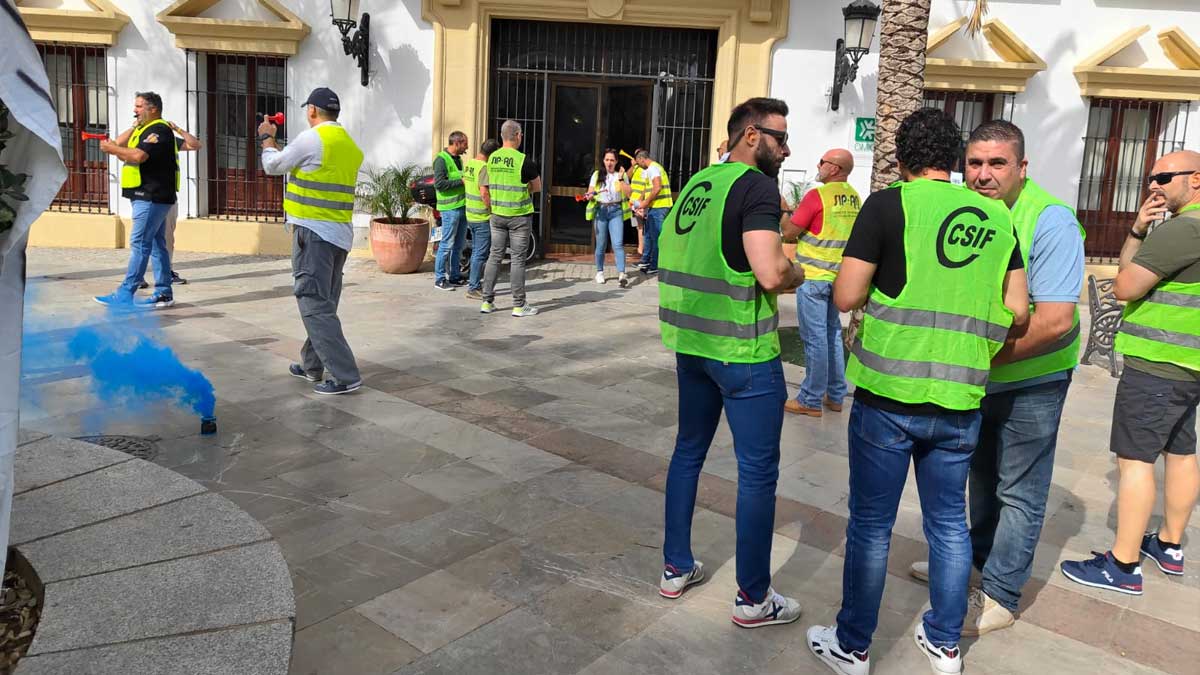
(903, 33)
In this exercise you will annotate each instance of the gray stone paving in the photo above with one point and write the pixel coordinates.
(491, 501)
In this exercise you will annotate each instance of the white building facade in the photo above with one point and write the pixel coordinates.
(1101, 88)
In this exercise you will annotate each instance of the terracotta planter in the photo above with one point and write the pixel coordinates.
(399, 248)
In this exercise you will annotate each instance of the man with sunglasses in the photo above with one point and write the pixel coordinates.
(722, 268)
(1155, 408)
(1013, 464)
(822, 220)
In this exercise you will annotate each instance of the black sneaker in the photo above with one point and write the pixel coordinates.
(143, 286)
(332, 388)
(443, 285)
(458, 282)
(297, 370)
(650, 271)
(176, 279)
(155, 302)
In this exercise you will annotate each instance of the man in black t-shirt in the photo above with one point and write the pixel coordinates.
(149, 179)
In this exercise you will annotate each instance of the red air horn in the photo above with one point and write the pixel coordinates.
(277, 119)
(92, 137)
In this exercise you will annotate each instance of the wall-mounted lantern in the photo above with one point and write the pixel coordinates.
(357, 46)
(860, 17)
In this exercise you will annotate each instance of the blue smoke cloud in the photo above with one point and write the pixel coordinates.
(122, 354)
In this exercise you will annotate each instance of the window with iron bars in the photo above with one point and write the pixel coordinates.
(1124, 139)
(79, 86)
(232, 89)
(970, 109)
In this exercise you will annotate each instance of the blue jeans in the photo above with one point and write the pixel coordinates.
(821, 331)
(610, 225)
(148, 240)
(1010, 481)
(752, 395)
(454, 235)
(654, 223)
(881, 444)
(481, 244)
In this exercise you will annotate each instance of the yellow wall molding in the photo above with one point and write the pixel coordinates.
(1011, 74)
(97, 27)
(1180, 48)
(1160, 84)
(234, 35)
(229, 236)
(78, 230)
(746, 32)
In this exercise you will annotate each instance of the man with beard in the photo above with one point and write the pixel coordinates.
(722, 267)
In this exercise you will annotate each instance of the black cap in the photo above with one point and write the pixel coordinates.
(324, 98)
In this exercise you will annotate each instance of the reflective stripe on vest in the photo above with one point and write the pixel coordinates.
(934, 342)
(663, 200)
(589, 212)
(455, 197)
(820, 255)
(509, 194)
(1063, 353)
(707, 309)
(131, 174)
(477, 210)
(1164, 325)
(326, 194)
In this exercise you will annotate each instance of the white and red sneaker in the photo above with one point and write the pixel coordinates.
(824, 644)
(674, 583)
(1168, 558)
(945, 660)
(772, 610)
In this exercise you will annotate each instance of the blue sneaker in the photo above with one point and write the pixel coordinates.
(1169, 560)
(116, 300)
(334, 388)
(1102, 572)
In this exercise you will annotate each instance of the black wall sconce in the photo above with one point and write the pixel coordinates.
(860, 17)
(357, 46)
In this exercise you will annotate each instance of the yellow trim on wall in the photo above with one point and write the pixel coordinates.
(212, 235)
(78, 230)
(234, 35)
(1180, 48)
(1159, 84)
(746, 33)
(1008, 75)
(75, 26)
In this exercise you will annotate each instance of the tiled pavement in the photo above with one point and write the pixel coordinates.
(491, 502)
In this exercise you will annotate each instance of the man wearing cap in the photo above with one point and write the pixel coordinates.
(322, 165)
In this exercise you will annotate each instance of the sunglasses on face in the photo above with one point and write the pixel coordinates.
(1166, 177)
(780, 137)
(823, 161)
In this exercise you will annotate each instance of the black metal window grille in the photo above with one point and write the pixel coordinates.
(1124, 139)
(79, 86)
(230, 89)
(970, 109)
(681, 62)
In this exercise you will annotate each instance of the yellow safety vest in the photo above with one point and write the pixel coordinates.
(327, 193)
(663, 200)
(821, 254)
(131, 174)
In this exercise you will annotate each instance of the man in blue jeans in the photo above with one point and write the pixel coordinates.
(939, 272)
(1013, 463)
(479, 213)
(722, 269)
(452, 205)
(149, 180)
(822, 221)
(654, 206)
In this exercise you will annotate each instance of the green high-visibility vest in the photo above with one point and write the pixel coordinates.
(477, 210)
(821, 254)
(934, 343)
(596, 186)
(1063, 353)
(456, 197)
(131, 174)
(637, 184)
(663, 200)
(510, 196)
(705, 308)
(328, 192)
(1164, 325)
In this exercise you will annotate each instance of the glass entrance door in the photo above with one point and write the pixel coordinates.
(588, 117)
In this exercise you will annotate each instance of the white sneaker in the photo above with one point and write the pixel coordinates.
(945, 660)
(774, 609)
(600, 277)
(673, 583)
(823, 643)
(623, 280)
(984, 615)
(525, 310)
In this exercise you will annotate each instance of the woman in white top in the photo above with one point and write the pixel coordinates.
(610, 207)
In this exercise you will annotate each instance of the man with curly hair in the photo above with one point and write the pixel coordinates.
(939, 272)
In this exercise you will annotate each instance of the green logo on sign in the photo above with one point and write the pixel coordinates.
(864, 130)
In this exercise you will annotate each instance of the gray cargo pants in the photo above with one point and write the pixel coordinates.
(317, 273)
(518, 229)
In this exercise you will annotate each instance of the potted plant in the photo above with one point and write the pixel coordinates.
(399, 236)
